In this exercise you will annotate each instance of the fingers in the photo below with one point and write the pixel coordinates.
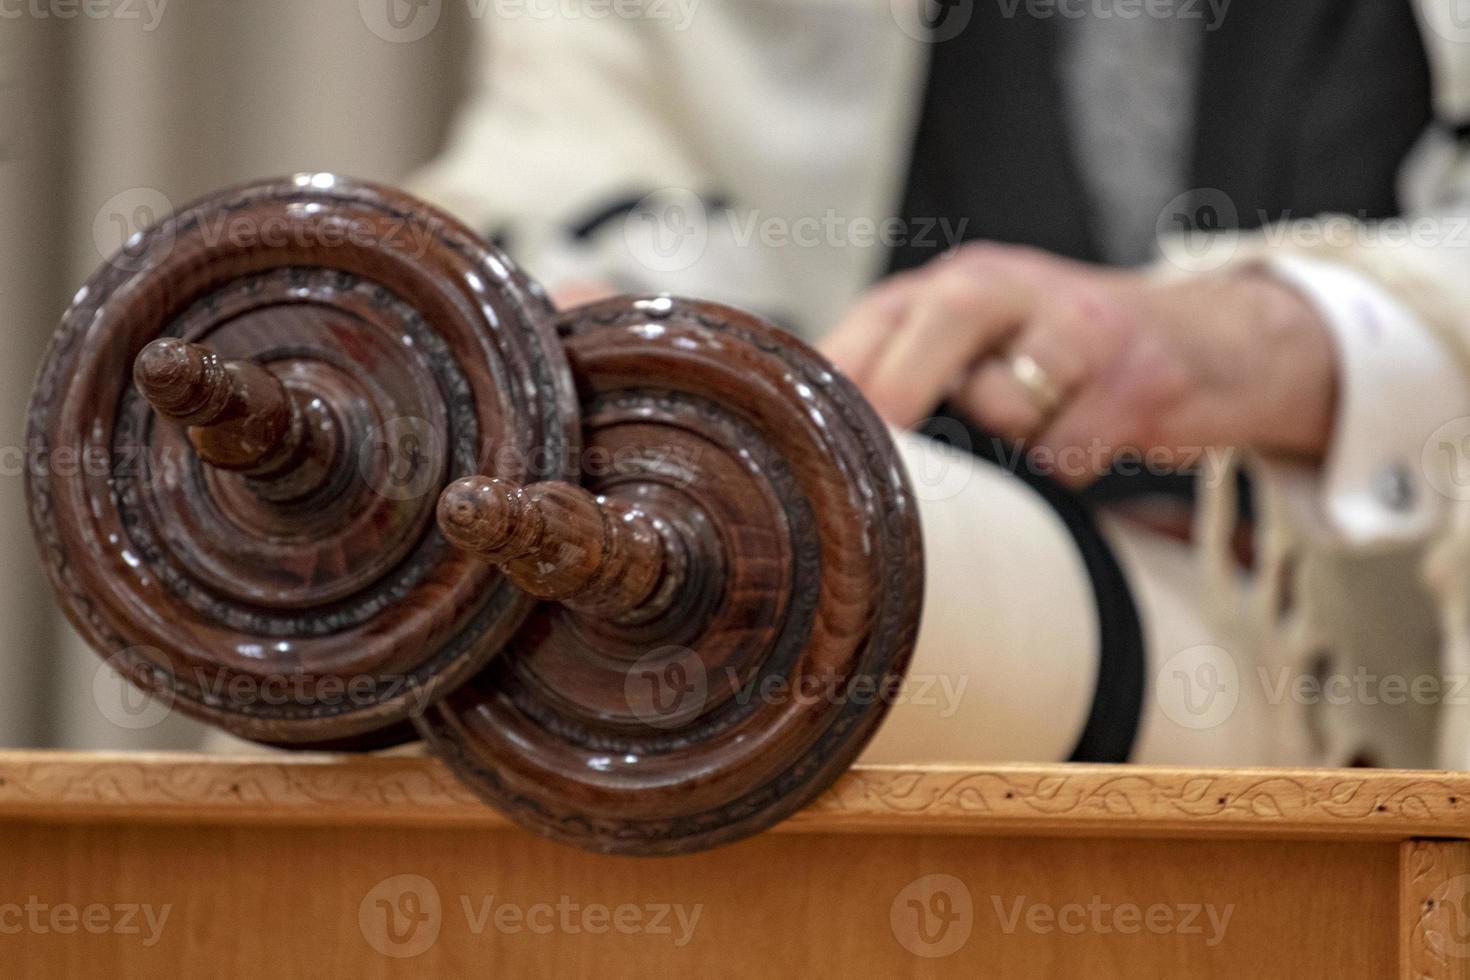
(998, 402)
(1129, 404)
(854, 345)
(1115, 414)
(1082, 365)
(1084, 439)
(579, 292)
(958, 315)
(996, 398)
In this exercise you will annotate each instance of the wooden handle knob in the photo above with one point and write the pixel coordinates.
(557, 541)
(240, 417)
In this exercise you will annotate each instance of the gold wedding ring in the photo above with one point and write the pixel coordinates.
(1038, 384)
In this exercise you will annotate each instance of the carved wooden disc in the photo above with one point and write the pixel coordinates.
(318, 604)
(794, 587)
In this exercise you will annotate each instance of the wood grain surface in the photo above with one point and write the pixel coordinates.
(1434, 892)
(1092, 801)
(252, 901)
(387, 866)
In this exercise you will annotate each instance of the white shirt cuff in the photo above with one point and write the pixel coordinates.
(1399, 393)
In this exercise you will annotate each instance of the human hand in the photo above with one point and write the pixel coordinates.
(579, 292)
(1087, 362)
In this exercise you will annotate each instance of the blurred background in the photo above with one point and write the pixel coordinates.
(655, 176)
(104, 120)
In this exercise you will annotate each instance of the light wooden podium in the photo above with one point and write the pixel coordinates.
(325, 866)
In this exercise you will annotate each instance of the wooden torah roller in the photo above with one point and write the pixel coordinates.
(732, 598)
(717, 525)
(238, 436)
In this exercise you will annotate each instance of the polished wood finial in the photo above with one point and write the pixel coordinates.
(557, 541)
(265, 509)
(240, 416)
